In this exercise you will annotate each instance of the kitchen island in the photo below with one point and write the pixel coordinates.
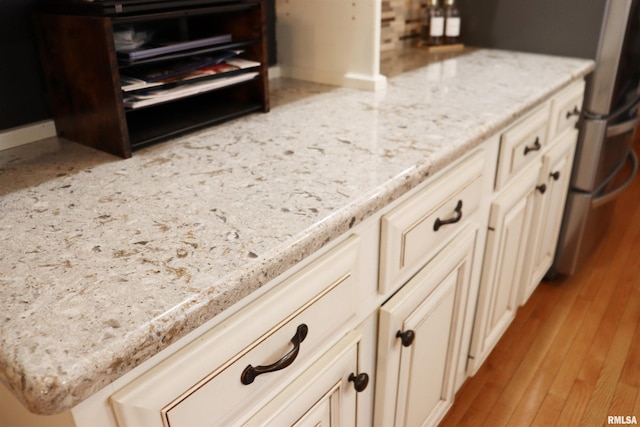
(107, 262)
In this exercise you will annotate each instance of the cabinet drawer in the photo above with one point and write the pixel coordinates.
(195, 386)
(411, 233)
(565, 109)
(521, 144)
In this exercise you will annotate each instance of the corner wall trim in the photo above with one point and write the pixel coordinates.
(21, 135)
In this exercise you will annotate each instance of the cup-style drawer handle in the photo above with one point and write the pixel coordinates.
(250, 372)
(536, 146)
(455, 218)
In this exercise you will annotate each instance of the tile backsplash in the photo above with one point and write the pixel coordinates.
(401, 22)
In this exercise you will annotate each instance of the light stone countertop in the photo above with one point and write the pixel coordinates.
(104, 262)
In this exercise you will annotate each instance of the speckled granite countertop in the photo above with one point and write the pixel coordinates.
(104, 262)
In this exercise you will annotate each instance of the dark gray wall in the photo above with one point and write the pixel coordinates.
(22, 95)
(557, 27)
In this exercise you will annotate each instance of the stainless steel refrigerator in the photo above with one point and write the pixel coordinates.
(607, 31)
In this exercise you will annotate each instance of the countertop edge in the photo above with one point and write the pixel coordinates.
(35, 392)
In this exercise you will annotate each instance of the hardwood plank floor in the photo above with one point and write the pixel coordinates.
(571, 357)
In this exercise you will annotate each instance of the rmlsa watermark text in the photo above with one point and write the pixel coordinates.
(622, 419)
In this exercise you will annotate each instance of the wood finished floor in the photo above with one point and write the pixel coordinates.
(572, 355)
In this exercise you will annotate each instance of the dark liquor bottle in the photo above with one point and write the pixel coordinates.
(424, 26)
(452, 23)
(436, 23)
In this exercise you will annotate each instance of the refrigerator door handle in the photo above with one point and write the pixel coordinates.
(629, 109)
(622, 127)
(607, 197)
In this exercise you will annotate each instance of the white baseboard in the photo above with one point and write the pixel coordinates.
(275, 72)
(21, 135)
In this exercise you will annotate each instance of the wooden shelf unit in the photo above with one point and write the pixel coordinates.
(82, 72)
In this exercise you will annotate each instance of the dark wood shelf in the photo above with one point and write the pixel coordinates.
(82, 72)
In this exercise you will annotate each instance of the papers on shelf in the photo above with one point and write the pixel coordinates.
(155, 96)
(131, 83)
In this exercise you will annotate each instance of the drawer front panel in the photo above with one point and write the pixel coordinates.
(417, 228)
(215, 390)
(522, 144)
(225, 388)
(565, 109)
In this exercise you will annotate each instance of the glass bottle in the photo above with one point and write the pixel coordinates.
(452, 23)
(424, 26)
(436, 23)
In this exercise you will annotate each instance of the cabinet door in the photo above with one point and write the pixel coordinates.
(555, 174)
(324, 395)
(505, 260)
(420, 339)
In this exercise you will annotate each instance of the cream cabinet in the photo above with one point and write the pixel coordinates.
(505, 258)
(431, 248)
(509, 230)
(554, 178)
(534, 168)
(420, 338)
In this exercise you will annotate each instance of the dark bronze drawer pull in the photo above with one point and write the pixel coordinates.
(457, 217)
(360, 381)
(536, 146)
(542, 188)
(250, 373)
(406, 337)
(574, 112)
(555, 175)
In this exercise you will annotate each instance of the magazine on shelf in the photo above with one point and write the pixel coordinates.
(166, 70)
(183, 70)
(210, 70)
(161, 48)
(158, 95)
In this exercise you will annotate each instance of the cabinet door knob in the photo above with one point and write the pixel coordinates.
(455, 218)
(250, 372)
(360, 381)
(406, 337)
(574, 112)
(542, 188)
(536, 146)
(555, 175)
